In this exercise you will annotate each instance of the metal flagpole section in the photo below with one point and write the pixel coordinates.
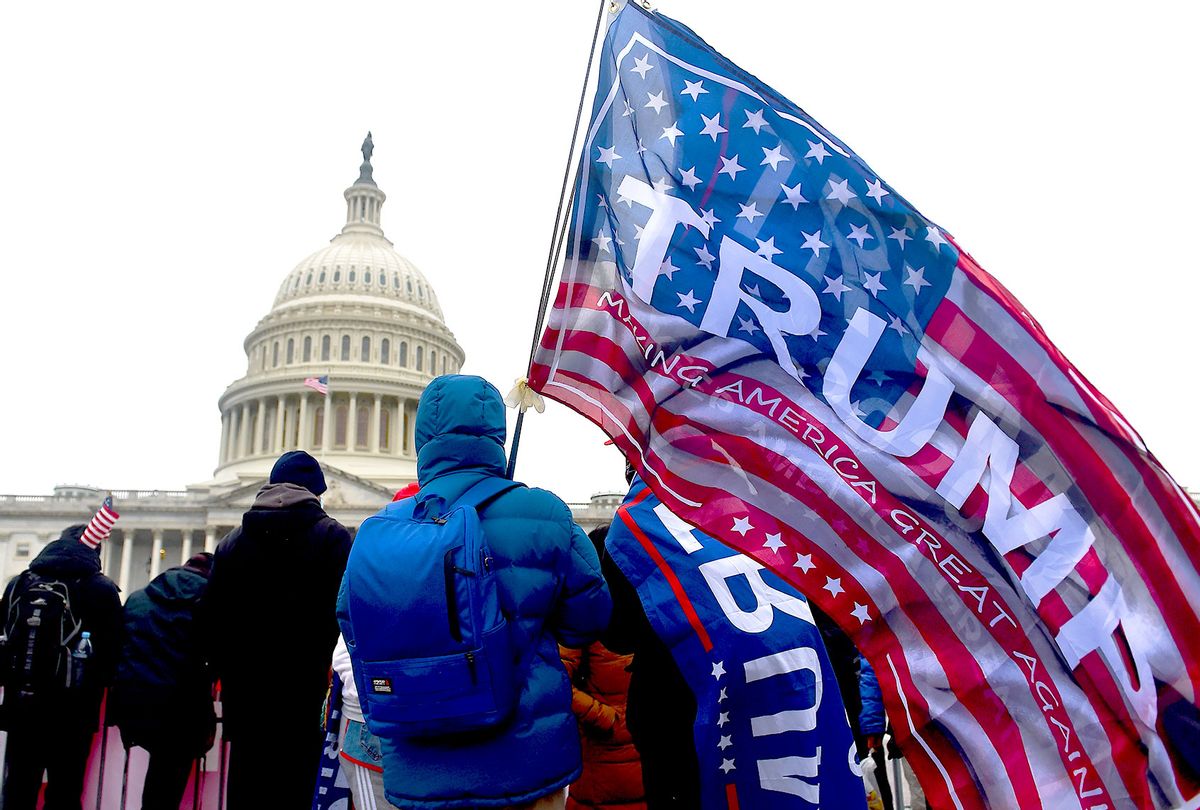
(566, 195)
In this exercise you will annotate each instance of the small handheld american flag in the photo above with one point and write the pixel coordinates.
(318, 384)
(100, 526)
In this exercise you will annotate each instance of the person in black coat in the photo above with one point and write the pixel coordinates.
(271, 626)
(52, 731)
(161, 699)
(661, 710)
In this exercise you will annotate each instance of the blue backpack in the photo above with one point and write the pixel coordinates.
(432, 652)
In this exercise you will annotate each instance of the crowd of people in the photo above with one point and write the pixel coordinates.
(569, 698)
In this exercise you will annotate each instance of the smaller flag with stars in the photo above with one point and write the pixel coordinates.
(318, 384)
(100, 526)
(771, 730)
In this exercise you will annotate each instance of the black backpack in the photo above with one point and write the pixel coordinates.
(40, 629)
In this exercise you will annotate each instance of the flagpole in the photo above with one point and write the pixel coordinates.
(566, 195)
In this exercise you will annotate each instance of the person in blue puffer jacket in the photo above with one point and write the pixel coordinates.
(551, 588)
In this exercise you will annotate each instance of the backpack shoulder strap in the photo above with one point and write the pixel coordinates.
(485, 492)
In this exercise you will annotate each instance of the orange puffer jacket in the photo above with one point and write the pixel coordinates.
(612, 772)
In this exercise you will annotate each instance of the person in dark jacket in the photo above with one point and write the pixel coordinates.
(161, 699)
(52, 732)
(271, 626)
(550, 588)
(612, 769)
(661, 713)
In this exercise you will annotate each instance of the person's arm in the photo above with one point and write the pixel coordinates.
(584, 606)
(871, 719)
(106, 629)
(596, 716)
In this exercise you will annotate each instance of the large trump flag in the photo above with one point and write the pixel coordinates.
(804, 366)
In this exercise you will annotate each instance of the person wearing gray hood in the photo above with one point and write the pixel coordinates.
(270, 627)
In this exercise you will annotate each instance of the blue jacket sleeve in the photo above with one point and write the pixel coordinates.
(584, 605)
(871, 718)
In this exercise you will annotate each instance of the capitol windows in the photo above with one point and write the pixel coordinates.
(361, 425)
(337, 276)
(321, 278)
(432, 361)
(382, 280)
(275, 354)
(443, 364)
(420, 358)
(307, 348)
(385, 429)
(318, 434)
(339, 426)
(410, 286)
(352, 276)
(421, 291)
(325, 341)
(345, 348)
(291, 351)
(22, 550)
(367, 277)
(308, 281)
(396, 281)
(365, 354)
(385, 351)
(403, 354)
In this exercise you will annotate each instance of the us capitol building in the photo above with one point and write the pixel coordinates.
(355, 311)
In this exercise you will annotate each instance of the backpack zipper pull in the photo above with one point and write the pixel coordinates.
(471, 665)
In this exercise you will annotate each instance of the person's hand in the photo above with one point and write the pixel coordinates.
(874, 741)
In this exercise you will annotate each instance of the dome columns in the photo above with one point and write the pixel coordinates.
(357, 423)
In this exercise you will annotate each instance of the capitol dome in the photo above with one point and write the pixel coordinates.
(363, 319)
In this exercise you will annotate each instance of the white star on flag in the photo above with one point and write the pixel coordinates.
(706, 258)
(774, 542)
(900, 235)
(731, 167)
(749, 212)
(688, 300)
(916, 278)
(817, 150)
(727, 765)
(608, 155)
(859, 234)
(656, 101)
(833, 585)
(813, 242)
(861, 613)
(688, 177)
(742, 525)
(671, 133)
(726, 741)
(601, 241)
(629, 110)
(707, 215)
(661, 185)
(693, 89)
(874, 284)
(934, 237)
(840, 191)
(641, 66)
(898, 325)
(804, 563)
(722, 697)
(835, 287)
(718, 669)
(722, 719)
(875, 189)
(668, 269)
(767, 249)
(747, 326)
(712, 126)
(774, 157)
(792, 195)
(755, 121)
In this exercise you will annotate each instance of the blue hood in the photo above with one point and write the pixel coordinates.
(460, 428)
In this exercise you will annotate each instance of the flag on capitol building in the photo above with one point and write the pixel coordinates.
(801, 364)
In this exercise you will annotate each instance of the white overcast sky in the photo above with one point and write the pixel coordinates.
(163, 166)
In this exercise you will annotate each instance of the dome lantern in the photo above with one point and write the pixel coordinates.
(364, 199)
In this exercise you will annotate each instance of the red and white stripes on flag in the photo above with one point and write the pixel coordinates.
(100, 526)
(803, 366)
